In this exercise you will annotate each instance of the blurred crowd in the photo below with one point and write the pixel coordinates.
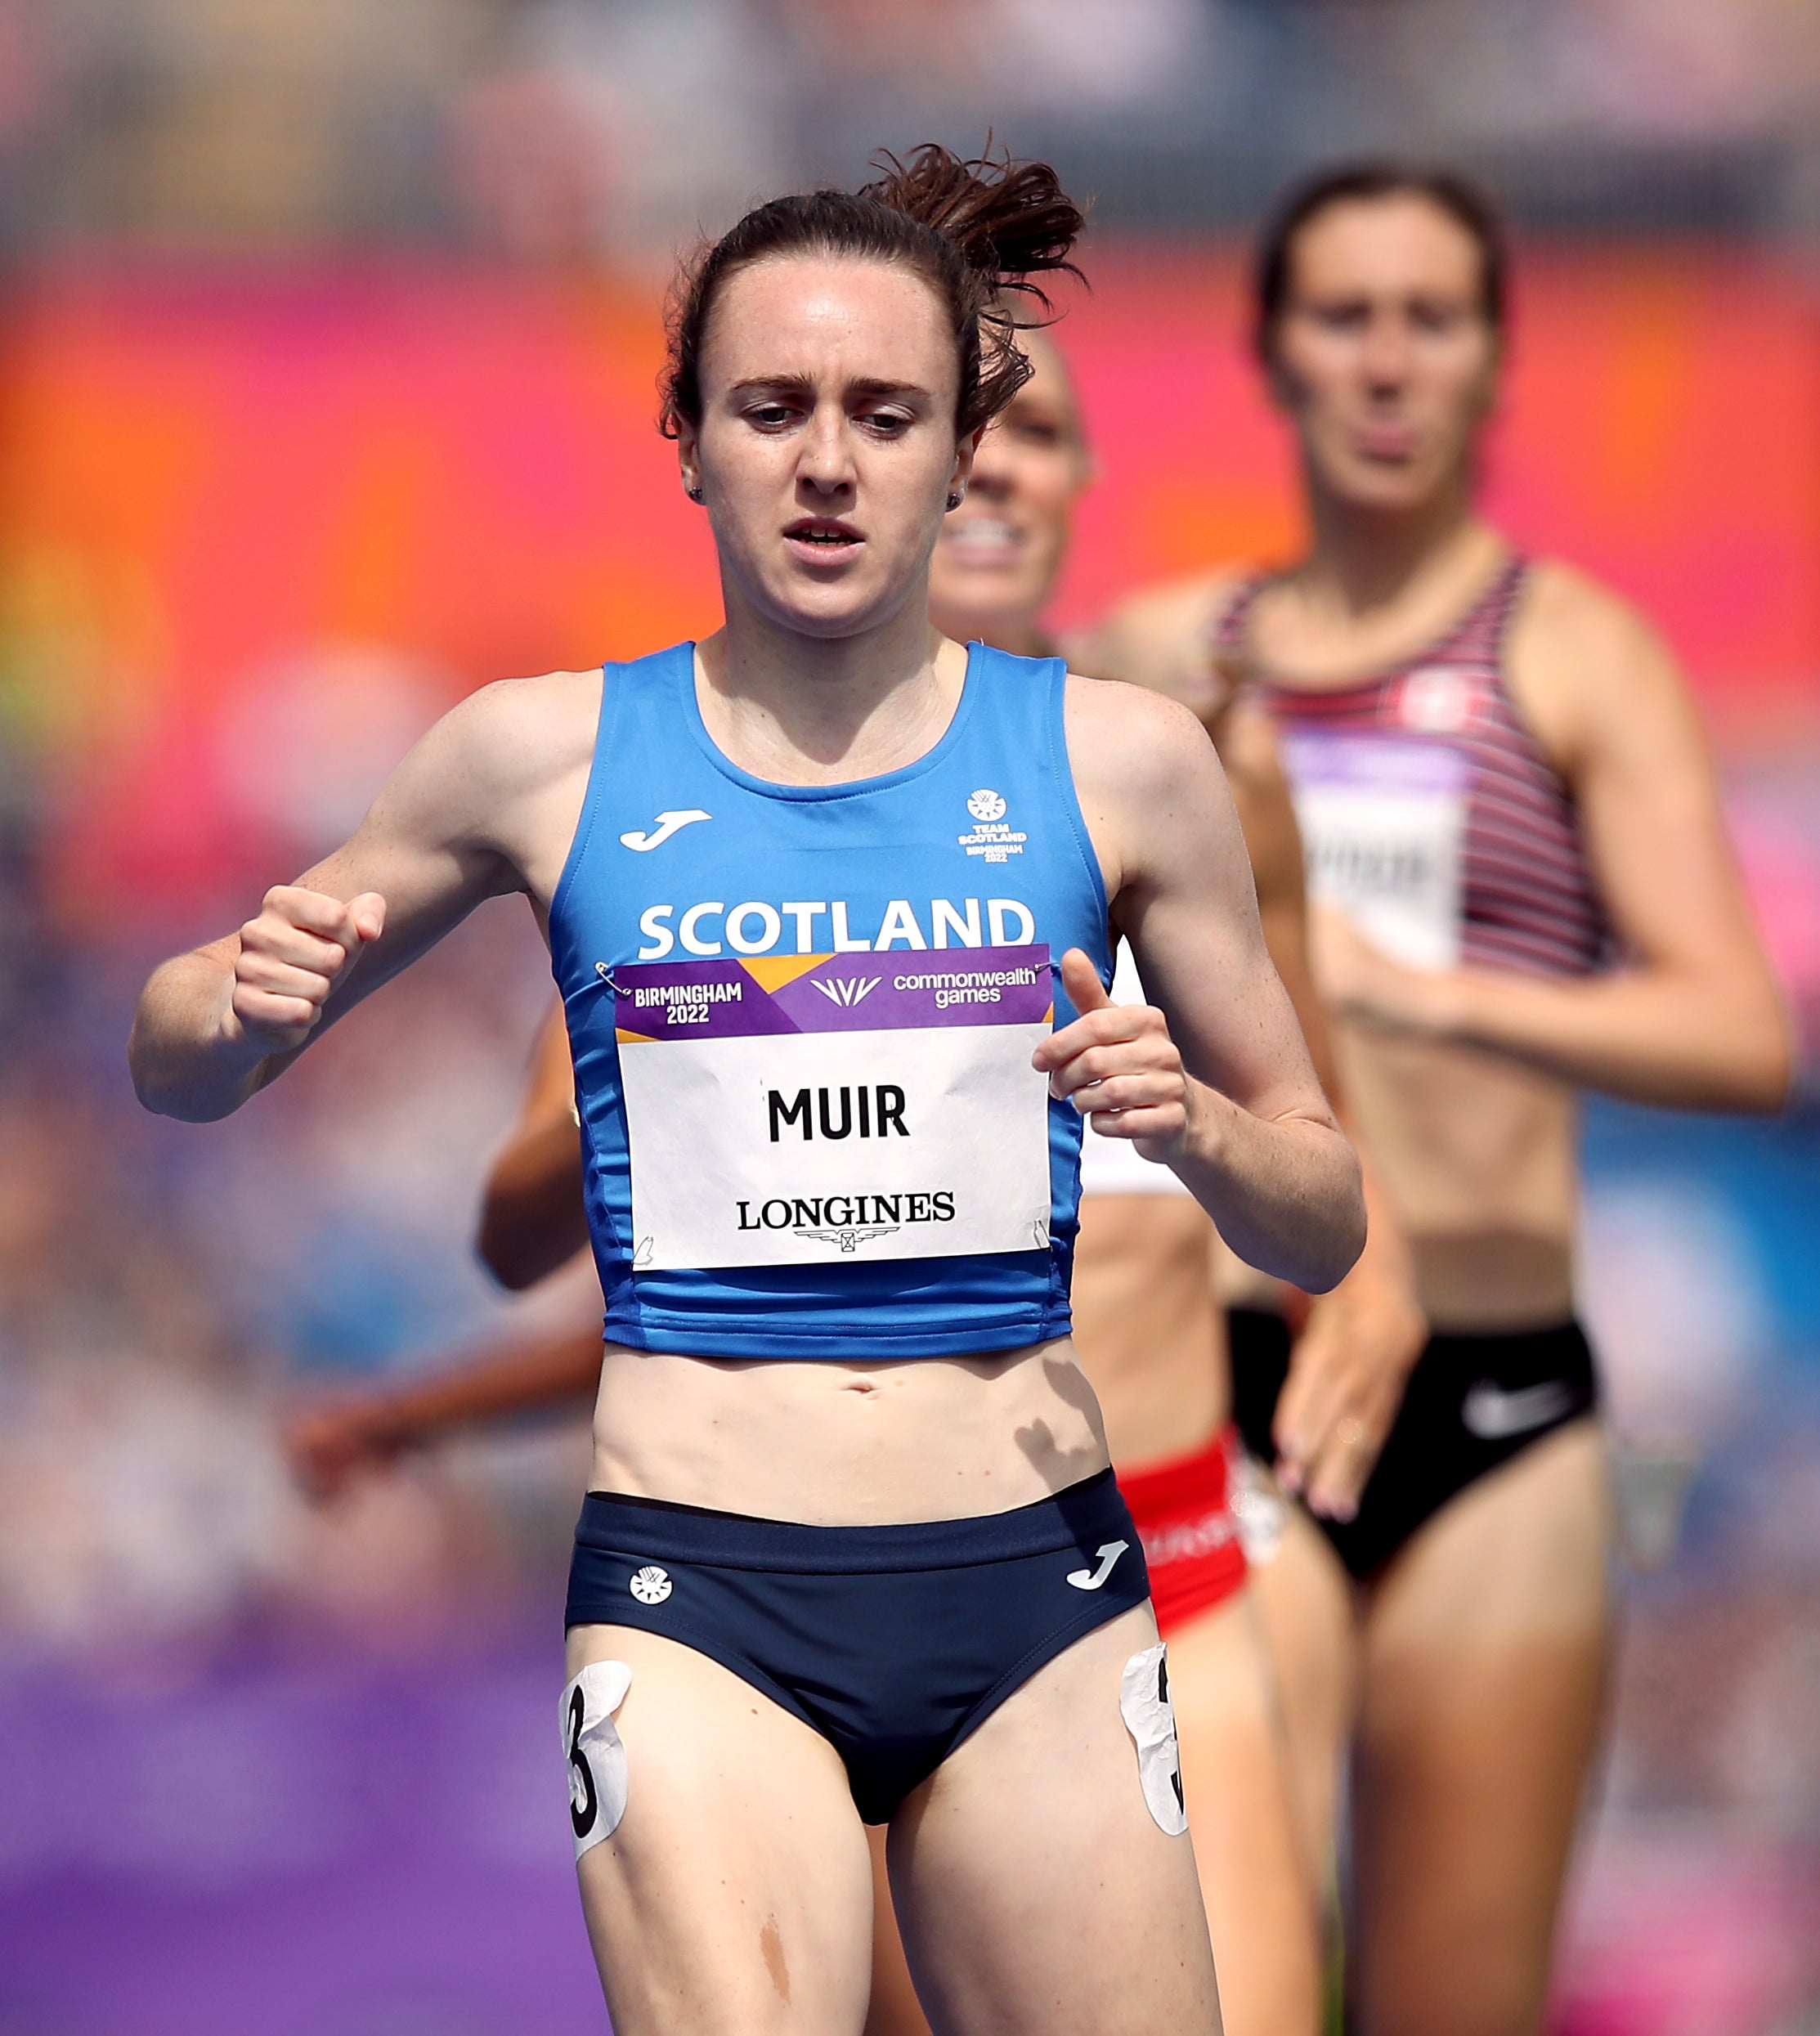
(164, 1297)
(566, 129)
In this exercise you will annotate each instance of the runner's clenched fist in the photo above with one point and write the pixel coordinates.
(299, 949)
(1118, 1065)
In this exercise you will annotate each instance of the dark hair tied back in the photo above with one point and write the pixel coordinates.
(1446, 191)
(980, 231)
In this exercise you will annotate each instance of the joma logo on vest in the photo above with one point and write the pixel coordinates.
(877, 1111)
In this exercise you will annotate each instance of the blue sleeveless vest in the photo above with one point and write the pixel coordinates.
(680, 856)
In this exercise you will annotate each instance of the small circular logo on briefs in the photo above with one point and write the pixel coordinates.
(986, 805)
(651, 1586)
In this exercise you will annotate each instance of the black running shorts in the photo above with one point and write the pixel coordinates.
(1472, 1403)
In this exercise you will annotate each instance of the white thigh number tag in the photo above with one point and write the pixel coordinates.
(803, 1109)
(596, 1756)
(1383, 821)
(1150, 1718)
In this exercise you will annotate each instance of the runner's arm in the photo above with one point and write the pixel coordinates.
(452, 827)
(1216, 1081)
(327, 1444)
(1690, 1017)
(532, 1219)
(1160, 638)
(1353, 1355)
(1352, 1358)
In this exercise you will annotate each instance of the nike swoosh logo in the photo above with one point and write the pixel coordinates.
(668, 823)
(1109, 1552)
(1493, 1415)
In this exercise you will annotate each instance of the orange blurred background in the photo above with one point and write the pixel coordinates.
(305, 512)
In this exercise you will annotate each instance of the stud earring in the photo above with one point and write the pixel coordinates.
(694, 491)
(956, 498)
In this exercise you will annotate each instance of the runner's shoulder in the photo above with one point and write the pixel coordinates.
(1567, 612)
(1583, 658)
(1157, 620)
(1142, 739)
(1160, 637)
(514, 732)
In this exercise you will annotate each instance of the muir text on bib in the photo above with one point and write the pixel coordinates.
(795, 1109)
(1383, 822)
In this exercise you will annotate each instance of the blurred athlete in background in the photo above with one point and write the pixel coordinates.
(1147, 1325)
(533, 1224)
(1522, 888)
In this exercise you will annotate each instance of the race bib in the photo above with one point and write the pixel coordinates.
(803, 1109)
(1383, 824)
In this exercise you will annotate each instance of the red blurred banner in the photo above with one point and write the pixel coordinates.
(256, 529)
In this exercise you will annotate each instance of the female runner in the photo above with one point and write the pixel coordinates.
(816, 1586)
(1147, 1330)
(1147, 1326)
(1522, 888)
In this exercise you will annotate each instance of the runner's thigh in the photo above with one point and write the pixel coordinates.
(895, 2009)
(1038, 1895)
(1262, 1910)
(1305, 1603)
(1485, 1654)
(735, 1896)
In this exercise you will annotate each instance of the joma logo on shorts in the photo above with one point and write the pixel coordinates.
(874, 1110)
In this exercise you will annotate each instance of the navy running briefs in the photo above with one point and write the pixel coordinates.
(893, 1643)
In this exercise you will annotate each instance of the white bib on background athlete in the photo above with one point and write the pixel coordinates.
(1383, 825)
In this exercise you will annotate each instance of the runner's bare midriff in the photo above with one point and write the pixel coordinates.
(1144, 1308)
(1481, 1158)
(832, 1443)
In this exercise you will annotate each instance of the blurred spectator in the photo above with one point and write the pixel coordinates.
(612, 127)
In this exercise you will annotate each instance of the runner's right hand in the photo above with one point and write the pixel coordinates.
(1118, 1066)
(1349, 1365)
(299, 949)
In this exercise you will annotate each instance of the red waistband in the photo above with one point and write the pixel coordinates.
(1199, 1482)
(1182, 1510)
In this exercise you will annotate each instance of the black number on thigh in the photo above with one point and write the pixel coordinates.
(585, 1806)
(1163, 1697)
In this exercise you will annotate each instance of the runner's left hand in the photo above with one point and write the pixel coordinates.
(1347, 1376)
(1358, 980)
(1118, 1066)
